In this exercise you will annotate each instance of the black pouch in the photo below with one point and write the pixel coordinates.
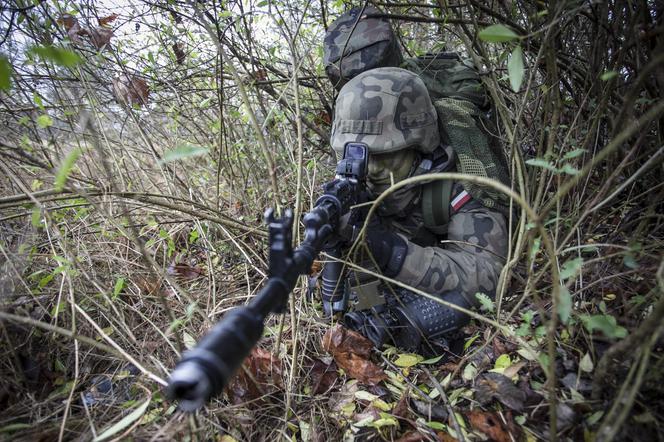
(367, 43)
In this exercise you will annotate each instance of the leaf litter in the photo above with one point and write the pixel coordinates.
(351, 351)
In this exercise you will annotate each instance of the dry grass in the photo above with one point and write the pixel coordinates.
(110, 276)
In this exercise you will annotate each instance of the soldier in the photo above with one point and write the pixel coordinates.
(389, 109)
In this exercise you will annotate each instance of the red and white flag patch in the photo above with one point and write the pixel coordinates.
(460, 200)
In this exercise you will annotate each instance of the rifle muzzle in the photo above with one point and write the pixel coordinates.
(206, 369)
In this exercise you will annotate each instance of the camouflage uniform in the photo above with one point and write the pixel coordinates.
(389, 109)
(469, 264)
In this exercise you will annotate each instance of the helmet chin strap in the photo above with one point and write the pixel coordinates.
(440, 160)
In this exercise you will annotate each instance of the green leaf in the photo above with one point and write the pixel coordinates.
(528, 316)
(606, 76)
(108, 331)
(57, 55)
(45, 280)
(515, 68)
(569, 169)
(497, 34)
(5, 74)
(55, 311)
(470, 341)
(36, 218)
(124, 423)
(381, 405)
(119, 285)
(595, 417)
(432, 360)
(630, 262)
(541, 162)
(65, 169)
(14, 427)
(44, 121)
(485, 301)
(183, 152)
(408, 360)
(534, 250)
(523, 330)
(573, 154)
(564, 305)
(586, 363)
(188, 340)
(365, 396)
(502, 362)
(387, 421)
(436, 425)
(469, 372)
(606, 324)
(571, 268)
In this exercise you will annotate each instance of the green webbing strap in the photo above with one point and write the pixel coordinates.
(436, 198)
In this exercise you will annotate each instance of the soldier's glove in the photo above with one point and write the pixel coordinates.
(388, 249)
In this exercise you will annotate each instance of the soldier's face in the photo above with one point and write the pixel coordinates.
(389, 168)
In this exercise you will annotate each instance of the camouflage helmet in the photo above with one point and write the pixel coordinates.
(367, 43)
(389, 109)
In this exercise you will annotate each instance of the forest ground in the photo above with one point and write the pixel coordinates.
(141, 144)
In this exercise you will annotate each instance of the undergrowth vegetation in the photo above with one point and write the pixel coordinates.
(141, 144)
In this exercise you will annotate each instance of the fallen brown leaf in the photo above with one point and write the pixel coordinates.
(413, 436)
(445, 437)
(100, 37)
(184, 270)
(401, 409)
(260, 375)
(73, 28)
(148, 285)
(513, 369)
(498, 347)
(178, 50)
(260, 75)
(497, 386)
(489, 424)
(108, 19)
(316, 267)
(323, 118)
(351, 351)
(430, 410)
(130, 90)
(345, 396)
(340, 339)
(370, 412)
(68, 21)
(76, 32)
(323, 376)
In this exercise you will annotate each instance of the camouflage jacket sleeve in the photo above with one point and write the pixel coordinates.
(469, 262)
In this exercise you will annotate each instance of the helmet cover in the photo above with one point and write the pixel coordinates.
(389, 109)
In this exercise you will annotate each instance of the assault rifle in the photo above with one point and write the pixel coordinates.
(205, 370)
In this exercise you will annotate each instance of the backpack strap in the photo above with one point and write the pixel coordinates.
(436, 199)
